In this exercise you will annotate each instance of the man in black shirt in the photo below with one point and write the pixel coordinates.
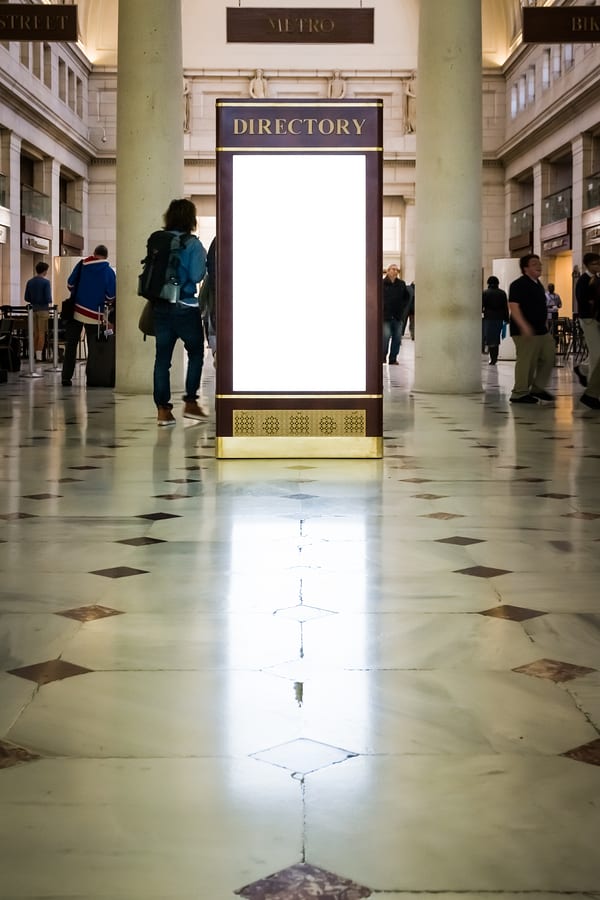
(395, 305)
(534, 346)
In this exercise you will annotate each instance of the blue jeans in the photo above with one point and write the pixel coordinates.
(391, 331)
(173, 321)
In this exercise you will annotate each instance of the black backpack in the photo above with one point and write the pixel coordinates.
(159, 278)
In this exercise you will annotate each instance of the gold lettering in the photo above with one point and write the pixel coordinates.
(585, 23)
(300, 25)
(326, 126)
(297, 127)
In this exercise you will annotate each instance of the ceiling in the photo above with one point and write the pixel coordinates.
(98, 22)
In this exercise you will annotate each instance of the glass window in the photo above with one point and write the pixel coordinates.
(531, 84)
(514, 101)
(546, 68)
(568, 55)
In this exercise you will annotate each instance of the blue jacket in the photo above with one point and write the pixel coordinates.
(97, 284)
(37, 292)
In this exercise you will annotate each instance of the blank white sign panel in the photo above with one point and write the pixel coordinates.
(299, 248)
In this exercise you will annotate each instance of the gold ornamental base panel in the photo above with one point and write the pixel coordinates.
(299, 447)
(299, 433)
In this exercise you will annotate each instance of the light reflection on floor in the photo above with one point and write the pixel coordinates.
(294, 679)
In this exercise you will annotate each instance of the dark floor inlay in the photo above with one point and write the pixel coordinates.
(415, 480)
(430, 496)
(183, 481)
(157, 517)
(531, 480)
(90, 613)
(51, 670)
(13, 517)
(483, 571)
(554, 670)
(512, 613)
(460, 541)
(41, 496)
(588, 517)
(563, 546)
(69, 480)
(119, 572)
(11, 755)
(83, 468)
(141, 541)
(442, 516)
(172, 496)
(304, 882)
(301, 497)
(556, 496)
(587, 753)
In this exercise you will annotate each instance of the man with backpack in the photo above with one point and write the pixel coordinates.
(175, 305)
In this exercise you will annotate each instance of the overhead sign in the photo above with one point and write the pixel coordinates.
(299, 26)
(560, 25)
(37, 23)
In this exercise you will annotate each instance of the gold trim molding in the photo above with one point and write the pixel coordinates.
(299, 448)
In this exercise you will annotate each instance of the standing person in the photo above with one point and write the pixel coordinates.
(92, 284)
(553, 301)
(208, 299)
(587, 294)
(534, 346)
(409, 313)
(395, 304)
(181, 319)
(494, 305)
(39, 296)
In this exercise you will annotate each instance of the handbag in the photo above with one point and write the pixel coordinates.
(67, 309)
(146, 321)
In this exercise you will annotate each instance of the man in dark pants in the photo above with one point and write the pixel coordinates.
(534, 346)
(395, 303)
(92, 283)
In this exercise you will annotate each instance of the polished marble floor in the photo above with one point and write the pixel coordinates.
(292, 679)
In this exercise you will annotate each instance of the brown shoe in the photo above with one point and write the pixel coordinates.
(191, 410)
(165, 416)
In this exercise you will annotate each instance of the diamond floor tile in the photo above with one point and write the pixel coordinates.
(303, 882)
(47, 672)
(303, 755)
(553, 669)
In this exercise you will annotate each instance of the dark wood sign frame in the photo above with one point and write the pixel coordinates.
(280, 25)
(561, 25)
(276, 423)
(19, 22)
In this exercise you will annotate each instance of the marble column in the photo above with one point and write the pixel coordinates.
(542, 187)
(15, 294)
(582, 150)
(51, 186)
(448, 280)
(149, 164)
